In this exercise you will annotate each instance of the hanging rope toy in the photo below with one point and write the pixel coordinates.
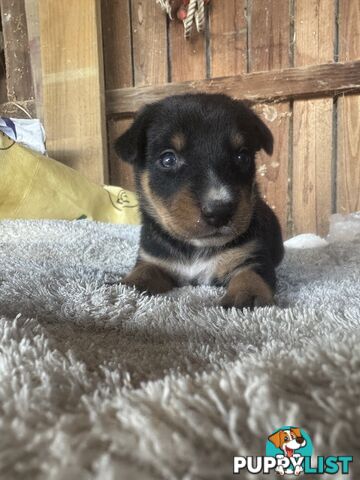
(188, 11)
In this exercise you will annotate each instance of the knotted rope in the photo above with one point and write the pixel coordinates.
(195, 12)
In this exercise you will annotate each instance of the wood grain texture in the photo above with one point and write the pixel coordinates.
(228, 38)
(312, 122)
(116, 23)
(277, 85)
(187, 56)
(269, 40)
(149, 43)
(16, 48)
(116, 28)
(33, 28)
(348, 164)
(73, 87)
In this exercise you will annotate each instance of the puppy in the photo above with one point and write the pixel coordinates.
(204, 222)
(288, 441)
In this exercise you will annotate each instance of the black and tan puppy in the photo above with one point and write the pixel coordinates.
(203, 220)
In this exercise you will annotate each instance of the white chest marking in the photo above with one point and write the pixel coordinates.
(201, 270)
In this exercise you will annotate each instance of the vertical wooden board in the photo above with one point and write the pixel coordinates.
(312, 139)
(187, 56)
(348, 158)
(16, 48)
(121, 173)
(312, 121)
(73, 90)
(116, 29)
(149, 43)
(269, 43)
(228, 38)
(33, 28)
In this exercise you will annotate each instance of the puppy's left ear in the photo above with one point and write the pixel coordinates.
(261, 136)
(131, 145)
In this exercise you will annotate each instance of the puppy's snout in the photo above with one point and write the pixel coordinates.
(300, 440)
(217, 213)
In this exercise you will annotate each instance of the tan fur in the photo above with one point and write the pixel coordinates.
(149, 277)
(242, 217)
(247, 289)
(180, 216)
(178, 141)
(232, 258)
(236, 140)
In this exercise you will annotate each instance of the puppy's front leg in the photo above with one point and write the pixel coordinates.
(148, 277)
(247, 289)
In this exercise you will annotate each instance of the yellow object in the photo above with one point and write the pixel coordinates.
(33, 186)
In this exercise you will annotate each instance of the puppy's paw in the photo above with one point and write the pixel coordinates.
(149, 278)
(247, 290)
(246, 300)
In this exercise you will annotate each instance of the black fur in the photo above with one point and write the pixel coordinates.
(207, 122)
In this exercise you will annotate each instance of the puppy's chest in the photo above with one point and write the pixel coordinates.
(196, 271)
(205, 269)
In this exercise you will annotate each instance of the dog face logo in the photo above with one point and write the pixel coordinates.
(288, 440)
(290, 443)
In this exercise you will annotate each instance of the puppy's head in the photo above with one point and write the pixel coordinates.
(194, 158)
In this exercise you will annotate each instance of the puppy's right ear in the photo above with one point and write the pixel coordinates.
(131, 146)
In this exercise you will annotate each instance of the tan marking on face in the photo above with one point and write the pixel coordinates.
(237, 140)
(246, 286)
(148, 277)
(178, 141)
(244, 210)
(180, 216)
(232, 258)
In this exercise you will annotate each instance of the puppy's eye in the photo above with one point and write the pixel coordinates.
(168, 160)
(242, 157)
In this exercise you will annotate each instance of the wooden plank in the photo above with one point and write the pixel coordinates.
(278, 85)
(116, 23)
(73, 84)
(228, 46)
(269, 40)
(33, 28)
(187, 56)
(312, 122)
(348, 158)
(149, 43)
(116, 28)
(16, 47)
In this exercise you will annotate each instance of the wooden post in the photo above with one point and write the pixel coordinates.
(16, 49)
(348, 166)
(312, 122)
(270, 20)
(73, 86)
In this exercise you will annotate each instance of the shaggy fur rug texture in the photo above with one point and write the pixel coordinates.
(98, 381)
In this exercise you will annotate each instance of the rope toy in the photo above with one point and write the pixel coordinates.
(188, 11)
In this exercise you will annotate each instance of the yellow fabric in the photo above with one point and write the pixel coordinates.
(33, 186)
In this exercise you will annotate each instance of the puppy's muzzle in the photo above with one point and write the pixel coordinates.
(217, 213)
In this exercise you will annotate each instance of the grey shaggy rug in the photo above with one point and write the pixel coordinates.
(100, 382)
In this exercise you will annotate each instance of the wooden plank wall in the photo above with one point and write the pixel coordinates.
(315, 169)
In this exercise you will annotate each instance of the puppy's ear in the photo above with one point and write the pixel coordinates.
(275, 439)
(262, 137)
(131, 145)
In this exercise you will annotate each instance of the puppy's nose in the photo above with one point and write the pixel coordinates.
(299, 439)
(217, 214)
